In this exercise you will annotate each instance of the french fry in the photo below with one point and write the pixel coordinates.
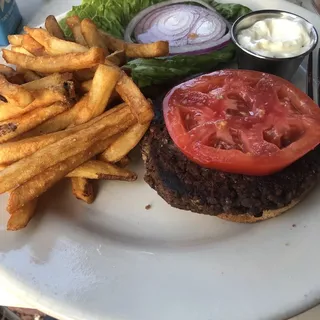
(132, 95)
(14, 94)
(53, 27)
(16, 78)
(6, 71)
(40, 183)
(55, 79)
(16, 126)
(84, 74)
(148, 50)
(122, 163)
(92, 36)
(43, 98)
(15, 39)
(113, 43)
(100, 170)
(74, 23)
(11, 152)
(125, 143)
(23, 170)
(118, 58)
(86, 86)
(30, 76)
(135, 50)
(20, 218)
(61, 63)
(21, 50)
(99, 93)
(61, 121)
(32, 46)
(83, 189)
(38, 34)
(56, 46)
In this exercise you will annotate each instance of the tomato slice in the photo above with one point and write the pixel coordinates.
(242, 121)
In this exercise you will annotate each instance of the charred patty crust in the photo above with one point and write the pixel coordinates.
(242, 198)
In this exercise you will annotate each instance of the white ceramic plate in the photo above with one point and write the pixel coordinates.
(116, 260)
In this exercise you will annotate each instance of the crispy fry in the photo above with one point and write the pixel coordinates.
(57, 46)
(32, 46)
(125, 143)
(135, 50)
(55, 79)
(83, 190)
(14, 151)
(132, 95)
(30, 76)
(15, 39)
(118, 58)
(6, 71)
(21, 50)
(38, 34)
(99, 93)
(61, 63)
(95, 169)
(14, 94)
(113, 43)
(20, 218)
(122, 163)
(11, 152)
(61, 121)
(40, 183)
(41, 160)
(148, 50)
(14, 127)
(84, 74)
(43, 98)
(92, 36)
(74, 23)
(16, 78)
(53, 27)
(86, 86)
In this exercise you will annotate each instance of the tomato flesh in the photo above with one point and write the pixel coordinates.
(242, 121)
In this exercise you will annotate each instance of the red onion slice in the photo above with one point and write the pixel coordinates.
(189, 29)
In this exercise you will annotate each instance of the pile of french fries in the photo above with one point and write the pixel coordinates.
(67, 110)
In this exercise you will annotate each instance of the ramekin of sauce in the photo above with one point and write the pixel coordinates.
(273, 41)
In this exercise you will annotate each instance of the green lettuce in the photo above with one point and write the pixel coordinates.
(114, 15)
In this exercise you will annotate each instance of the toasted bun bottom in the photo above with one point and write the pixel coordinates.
(267, 214)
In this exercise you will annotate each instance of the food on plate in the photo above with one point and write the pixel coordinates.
(95, 169)
(119, 149)
(13, 94)
(241, 145)
(53, 27)
(113, 18)
(32, 46)
(14, 127)
(74, 24)
(83, 189)
(54, 125)
(197, 29)
(61, 63)
(264, 43)
(92, 35)
(131, 94)
(20, 218)
(270, 38)
(99, 94)
(15, 39)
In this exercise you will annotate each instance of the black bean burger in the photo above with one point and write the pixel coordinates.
(240, 145)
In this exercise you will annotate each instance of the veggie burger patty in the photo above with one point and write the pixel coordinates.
(237, 197)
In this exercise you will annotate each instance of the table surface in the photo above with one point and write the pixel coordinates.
(33, 12)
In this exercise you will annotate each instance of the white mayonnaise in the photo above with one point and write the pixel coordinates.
(276, 37)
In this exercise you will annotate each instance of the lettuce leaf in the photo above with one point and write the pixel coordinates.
(114, 15)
